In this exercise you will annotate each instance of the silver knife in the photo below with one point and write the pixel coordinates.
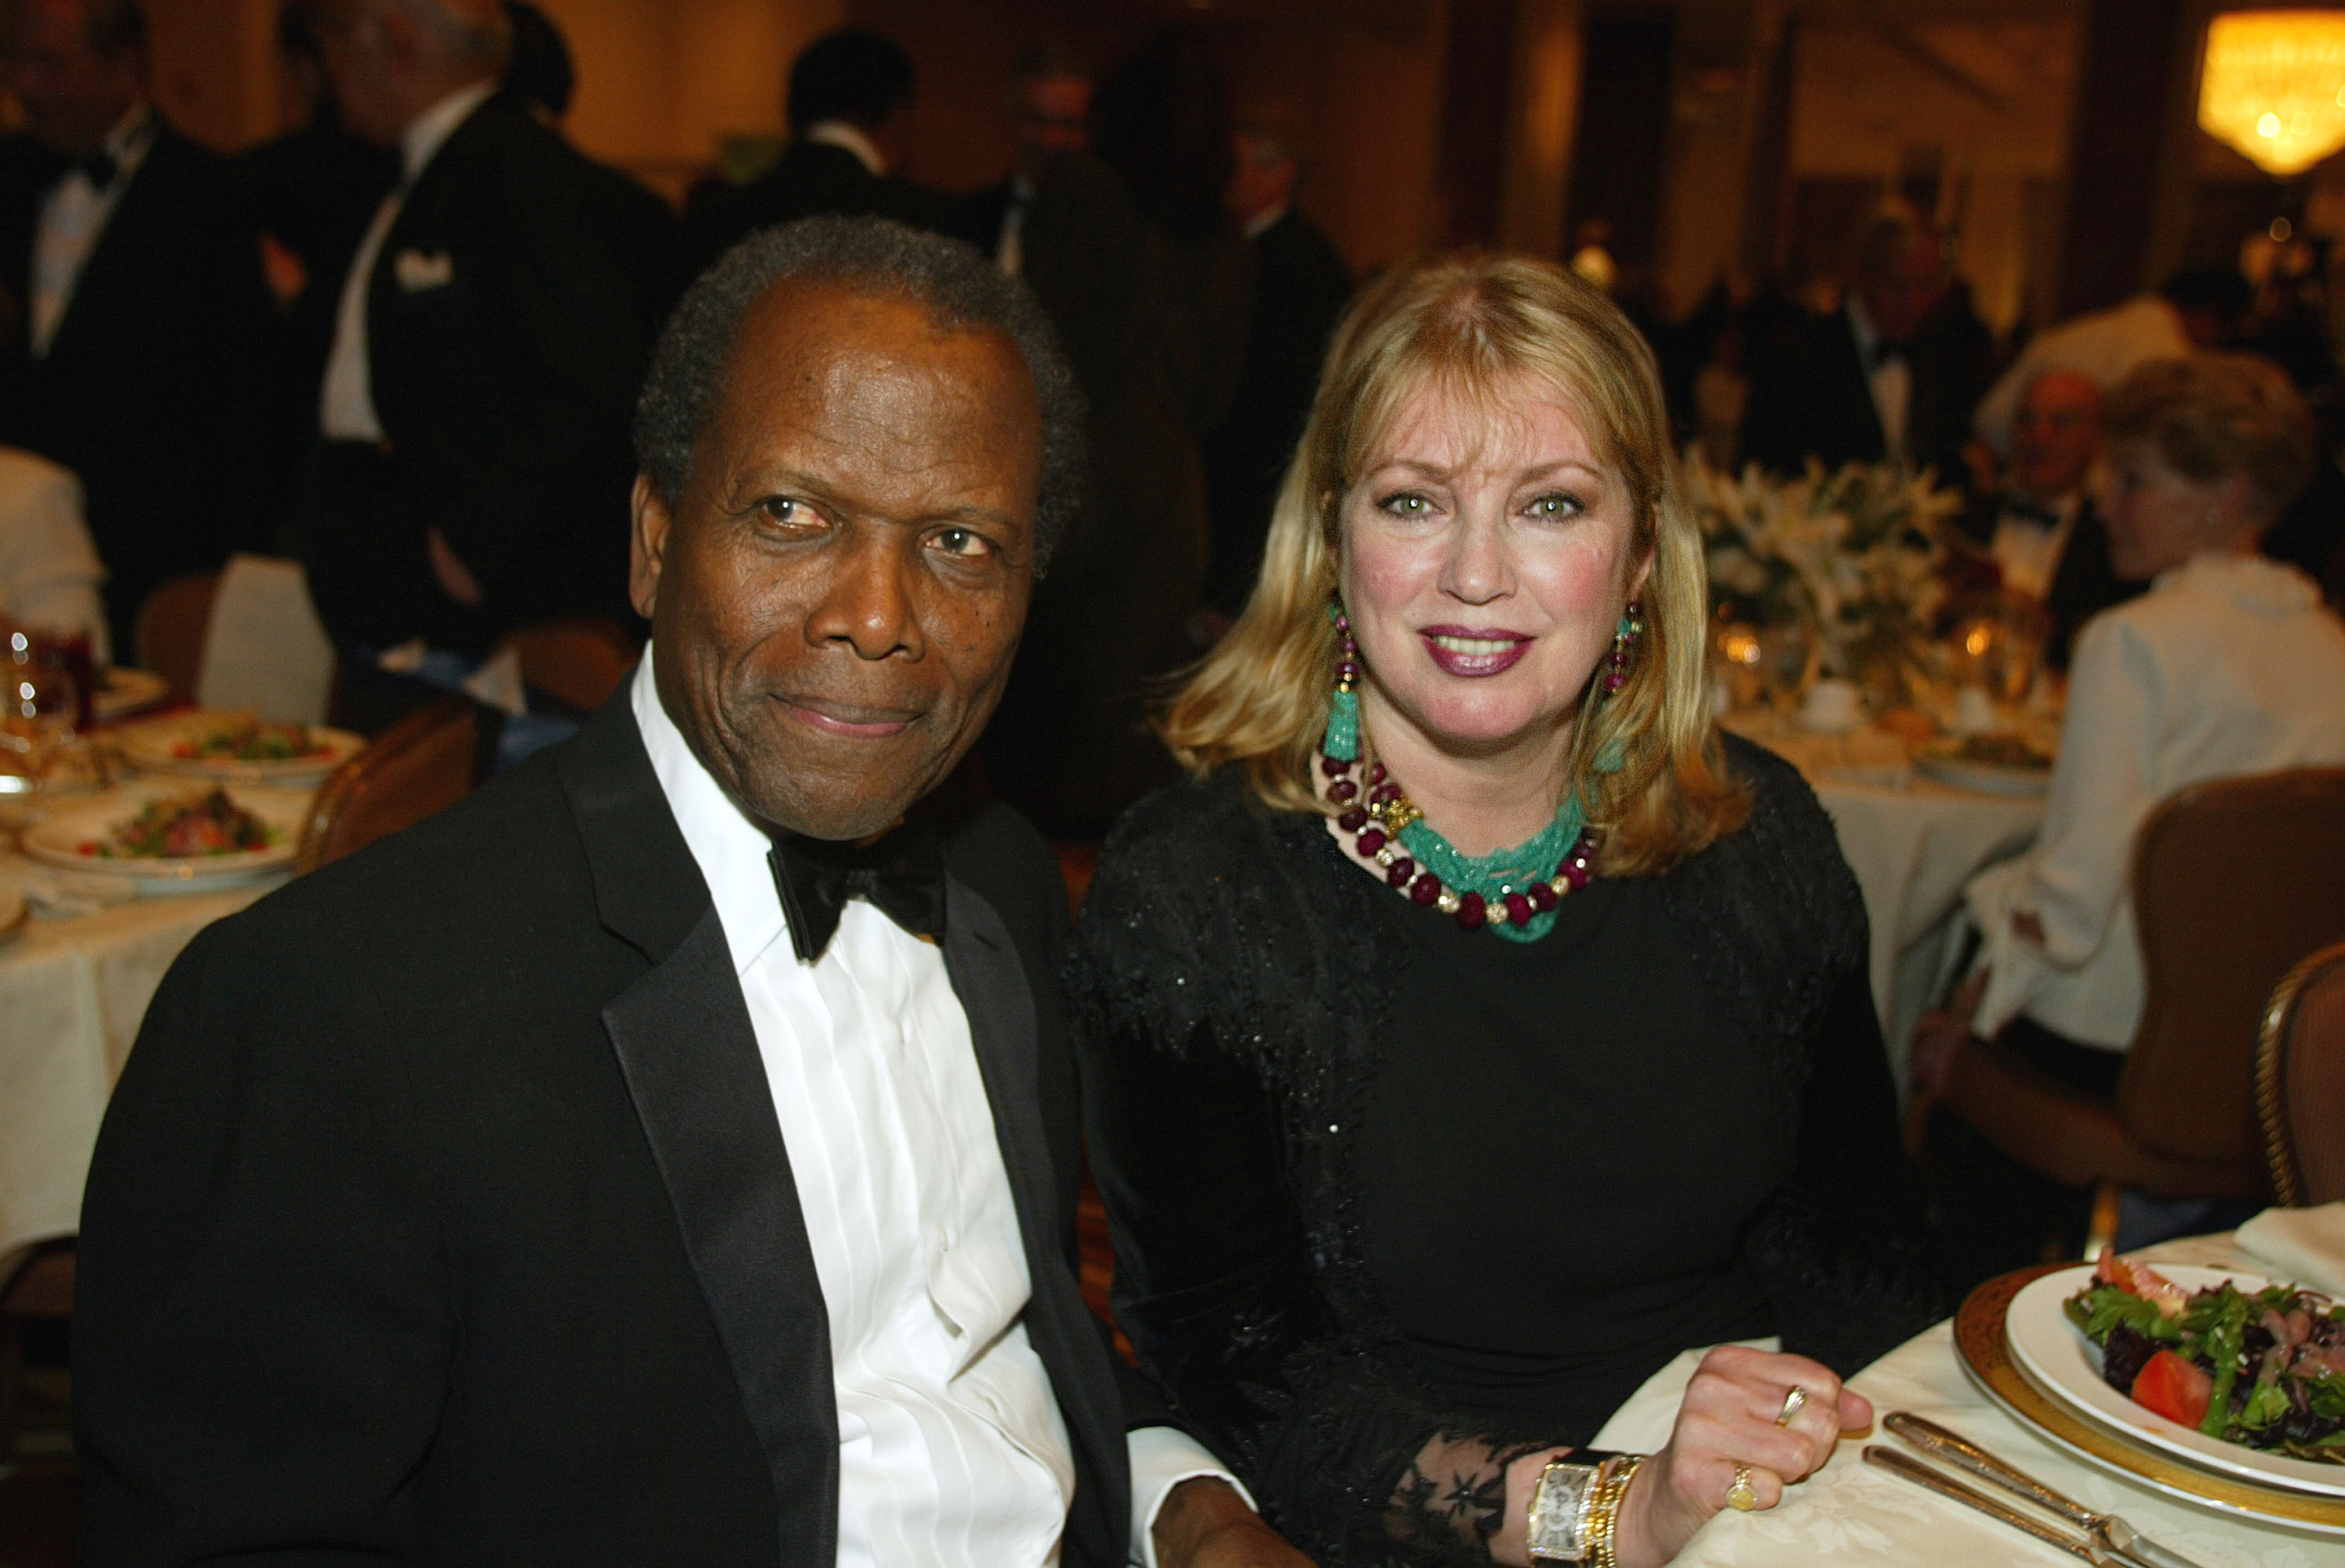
(2108, 1529)
(1946, 1485)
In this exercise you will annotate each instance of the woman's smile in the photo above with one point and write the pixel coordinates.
(1475, 651)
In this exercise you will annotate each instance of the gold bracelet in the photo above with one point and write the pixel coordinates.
(1604, 1515)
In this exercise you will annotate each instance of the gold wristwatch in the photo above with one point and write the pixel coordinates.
(1576, 1509)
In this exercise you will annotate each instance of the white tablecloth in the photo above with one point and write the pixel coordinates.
(1851, 1512)
(72, 994)
(1913, 845)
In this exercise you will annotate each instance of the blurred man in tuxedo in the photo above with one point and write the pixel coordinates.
(1300, 288)
(2040, 527)
(850, 116)
(487, 347)
(669, 1154)
(1050, 110)
(1862, 385)
(136, 327)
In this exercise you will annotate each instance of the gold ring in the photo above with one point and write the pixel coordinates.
(1794, 1403)
(1739, 1497)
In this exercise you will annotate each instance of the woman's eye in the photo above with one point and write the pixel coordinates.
(964, 542)
(1557, 505)
(1407, 503)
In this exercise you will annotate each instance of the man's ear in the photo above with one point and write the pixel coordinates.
(647, 535)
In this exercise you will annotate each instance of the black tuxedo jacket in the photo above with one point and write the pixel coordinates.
(154, 389)
(506, 336)
(2083, 584)
(815, 179)
(441, 1213)
(1814, 397)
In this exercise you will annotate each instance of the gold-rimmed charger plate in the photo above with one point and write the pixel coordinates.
(1979, 1344)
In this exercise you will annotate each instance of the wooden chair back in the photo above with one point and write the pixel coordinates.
(2300, 1081)
(578, 662)
(169, 636)
(426, 762)
(2234, 882)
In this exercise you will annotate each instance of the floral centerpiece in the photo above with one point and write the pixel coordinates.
(1852, 558)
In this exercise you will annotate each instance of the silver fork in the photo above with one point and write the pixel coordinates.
(2105, 1530)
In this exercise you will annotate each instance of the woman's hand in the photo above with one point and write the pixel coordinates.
(1730, 1417)
(1938, 1036)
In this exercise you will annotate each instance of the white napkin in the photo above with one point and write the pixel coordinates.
(70, 895)
(2303, 1246)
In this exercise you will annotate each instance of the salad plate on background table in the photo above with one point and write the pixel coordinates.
(237, 749)
(122, 691)
(71, 840)
(1981, 1347)
(2059, 1360)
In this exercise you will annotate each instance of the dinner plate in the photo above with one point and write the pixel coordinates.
(154, 746)
(2058, 1359)
(57, 841)
(122, 691)
(1980, 1345)
(1946, 765)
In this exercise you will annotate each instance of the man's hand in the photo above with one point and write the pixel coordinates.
(1205, 1523)
(1939, 1036)
(456, 579)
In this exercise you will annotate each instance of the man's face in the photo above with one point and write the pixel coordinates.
(71, 96)
(2055, 435)
(1265, 179)
(1901, 298)
(358, 45)
(835, 599)
(1053, 116)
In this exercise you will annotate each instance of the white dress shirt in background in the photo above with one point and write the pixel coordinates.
(2028, 549)
(2103, 346)
(850, 139)
(72, 216)
(1890, 381)
(346, 410)
(49, 570)
(2228, 665)
(952, 1450)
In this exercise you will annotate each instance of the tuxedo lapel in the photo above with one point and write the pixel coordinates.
(689, 1053)
(981, 960)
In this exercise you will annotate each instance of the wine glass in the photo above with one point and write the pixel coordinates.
(41, 706)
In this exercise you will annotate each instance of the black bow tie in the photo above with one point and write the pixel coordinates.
(100, 168)
(902, 876)
(2028, 511)
(1889, 349)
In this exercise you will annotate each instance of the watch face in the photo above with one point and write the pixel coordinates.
(1559, 1518)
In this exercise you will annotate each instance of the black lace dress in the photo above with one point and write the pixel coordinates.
(1395, 1202)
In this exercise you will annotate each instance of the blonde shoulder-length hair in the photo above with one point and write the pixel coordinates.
(1476, 325)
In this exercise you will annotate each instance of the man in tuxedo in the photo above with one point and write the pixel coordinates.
(1050, 106)
(135, 320)
(2040, 528)
(1300, 288)
(669, 1154)
(488, 344)
(1864, 385)
(850, 116)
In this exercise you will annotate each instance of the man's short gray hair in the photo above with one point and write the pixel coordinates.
(959, 290)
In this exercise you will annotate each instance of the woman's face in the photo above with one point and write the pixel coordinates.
(1484, 560)
(2158, 518)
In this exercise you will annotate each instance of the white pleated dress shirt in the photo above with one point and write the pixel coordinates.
(72, 216)
(1890, 382)
(346, 410)
(2230, 664)
(952, 1450)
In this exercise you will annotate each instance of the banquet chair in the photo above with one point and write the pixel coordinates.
(428, 761)
(2233, 883)
(578, 661)
(172, 623)
(2300, 1081)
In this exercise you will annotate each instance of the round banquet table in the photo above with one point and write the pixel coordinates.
(1851, 1511)
(72, 994)
(1913, 843)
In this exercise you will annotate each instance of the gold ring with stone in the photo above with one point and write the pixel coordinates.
(1739, 1496)
(1794, 1403)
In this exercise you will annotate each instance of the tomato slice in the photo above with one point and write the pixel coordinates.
(2173, 1388)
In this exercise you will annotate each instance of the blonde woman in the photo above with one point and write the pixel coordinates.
(1475, 1030)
